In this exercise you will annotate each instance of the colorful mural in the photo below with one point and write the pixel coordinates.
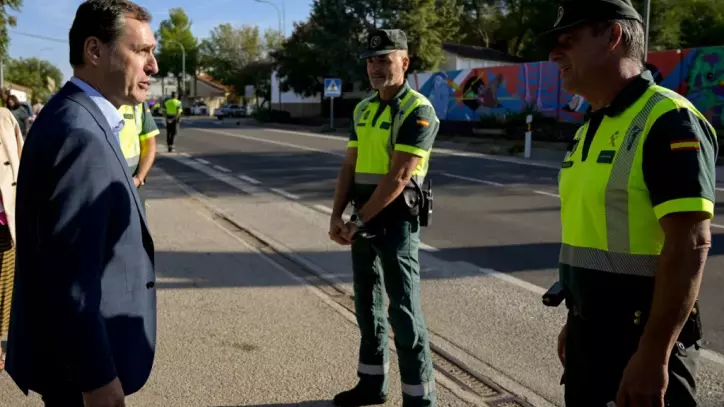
(467, 95)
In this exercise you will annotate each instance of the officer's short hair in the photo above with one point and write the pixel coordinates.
(632, 36)
(103, 19)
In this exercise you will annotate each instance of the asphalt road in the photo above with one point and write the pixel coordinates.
(494, 214)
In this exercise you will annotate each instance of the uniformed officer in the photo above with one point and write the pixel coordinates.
(138, 141)
(637, 196)
(389, 146)
(173, 109)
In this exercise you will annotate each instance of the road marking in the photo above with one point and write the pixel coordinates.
(447, 151)
(187, 155)
(222, 169)
(323, 209)
(285, 194)
(249, 179)
(712, 356)
(714, 225)
(546, 193)
(479, 181)
(719, 189)
(202, 161)
(279, 143)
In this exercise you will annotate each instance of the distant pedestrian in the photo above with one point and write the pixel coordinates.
(173, 108)
(637, 196)
(21, 115)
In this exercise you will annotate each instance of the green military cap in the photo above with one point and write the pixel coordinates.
(381, 42)
(573, 13)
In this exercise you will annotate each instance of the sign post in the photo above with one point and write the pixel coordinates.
(528, 136)
(332, 89)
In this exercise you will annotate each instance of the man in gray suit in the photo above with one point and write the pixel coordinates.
(83, 323)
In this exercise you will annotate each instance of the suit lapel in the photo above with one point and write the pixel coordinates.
(78, 95)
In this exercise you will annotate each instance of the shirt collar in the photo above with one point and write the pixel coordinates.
(112, 115)
(400, 94)
(629, 95)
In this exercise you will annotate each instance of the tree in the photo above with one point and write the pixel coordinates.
(329, 43)
(35, 74)
(240, 56)
(7, 20)
(172, 31)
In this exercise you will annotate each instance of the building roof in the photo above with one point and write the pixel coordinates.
(211, 82)
(486, 54)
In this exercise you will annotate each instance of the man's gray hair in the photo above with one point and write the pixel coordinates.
(103, 19)
(632, 36)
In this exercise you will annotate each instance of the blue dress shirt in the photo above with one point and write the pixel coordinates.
(112, 115)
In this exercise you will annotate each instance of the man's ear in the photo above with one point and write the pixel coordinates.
(92, 50)
(405, 61)
(615, 36)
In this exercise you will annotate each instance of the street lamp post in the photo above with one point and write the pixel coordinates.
(647, 21)
(183, 67)
(281, 33)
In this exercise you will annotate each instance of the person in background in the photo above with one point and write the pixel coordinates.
(138, 142)
(37, 107)
(173, 114)
(21, 115)
(12, 145)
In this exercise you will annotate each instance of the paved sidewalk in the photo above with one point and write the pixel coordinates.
(235, 330)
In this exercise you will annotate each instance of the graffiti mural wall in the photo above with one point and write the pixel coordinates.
(467, 95)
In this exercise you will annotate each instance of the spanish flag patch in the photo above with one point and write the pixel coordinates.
(423, 123)
(687, 144)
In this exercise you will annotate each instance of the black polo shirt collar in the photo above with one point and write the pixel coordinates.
(629, 95)
(398, 97)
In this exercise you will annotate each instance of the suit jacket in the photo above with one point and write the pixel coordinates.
(84, 304)
(11, 140)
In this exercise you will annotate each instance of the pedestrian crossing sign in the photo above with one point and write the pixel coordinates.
(332, 87)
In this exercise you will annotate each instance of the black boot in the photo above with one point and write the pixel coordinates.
(359, 396)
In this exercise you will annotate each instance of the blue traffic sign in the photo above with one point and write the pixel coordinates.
(332, 87)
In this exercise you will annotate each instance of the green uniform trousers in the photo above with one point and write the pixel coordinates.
(597, 352)
(390, 257)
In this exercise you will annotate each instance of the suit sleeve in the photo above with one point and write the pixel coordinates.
(679, 159)
(148, 124)
(80, 204)
(417, 134)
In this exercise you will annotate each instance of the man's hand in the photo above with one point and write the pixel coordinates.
(137, 181)
(644, 381)
(562, 345)
(338, 230)
(110, 395)
(351, 230)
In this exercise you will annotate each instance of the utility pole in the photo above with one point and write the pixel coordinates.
(647, 20)
(281, 33)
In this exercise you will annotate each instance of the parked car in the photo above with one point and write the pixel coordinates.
(230, 110)
(199, 108)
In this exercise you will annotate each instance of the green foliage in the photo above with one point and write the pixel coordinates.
(239, 56)
(7, 20)
(172, 31)
(34, 73)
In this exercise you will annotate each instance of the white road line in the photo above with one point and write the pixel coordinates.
(279, 143)
(187, 155)
(428, 248)
(546, 193)
(249, 179)
(222, 169)
(202, 161)
(285, 194)
(719, 189)
(323, 209)
(714, 225)
(479, 181)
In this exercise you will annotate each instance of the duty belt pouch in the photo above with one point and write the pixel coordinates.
(692, 331)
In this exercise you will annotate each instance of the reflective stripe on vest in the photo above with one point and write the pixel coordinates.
(376, 141)
(608, 220)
